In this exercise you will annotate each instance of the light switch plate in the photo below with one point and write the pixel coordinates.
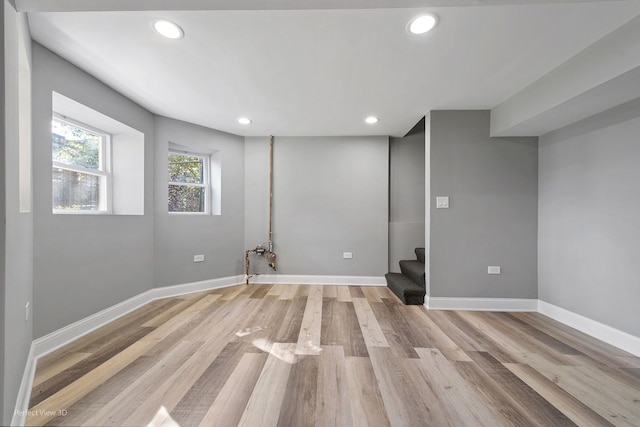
(494, 269)
(347, 255)
(442, 202)
(198, 258)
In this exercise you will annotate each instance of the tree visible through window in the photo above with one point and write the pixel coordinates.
(80, 175)
(188, 182)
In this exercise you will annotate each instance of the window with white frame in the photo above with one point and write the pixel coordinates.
(189, 183)
(81, 168)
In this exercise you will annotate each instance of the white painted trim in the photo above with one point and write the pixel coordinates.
(482, 304)
(189, 288)
(291, 279)
(69, 333)
(61, 337)
(608, 334)
(19, 417)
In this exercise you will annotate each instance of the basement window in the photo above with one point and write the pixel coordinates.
(189, 189)
(81, 172)
(97, 162)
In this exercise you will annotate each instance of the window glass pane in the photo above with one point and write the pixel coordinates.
(186, 168)
(185, 198)
(75, 190)
(74, 145)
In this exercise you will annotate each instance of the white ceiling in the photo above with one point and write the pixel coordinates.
(321, 72)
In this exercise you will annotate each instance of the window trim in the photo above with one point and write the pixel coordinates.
(104, 171)
(206, 178)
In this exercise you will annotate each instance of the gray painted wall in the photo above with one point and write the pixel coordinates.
(84, 263)
(330, 197)
(406, 197)
(18, 270)
(218, 237)
(492, 219)
(589, 258)
(3, 223)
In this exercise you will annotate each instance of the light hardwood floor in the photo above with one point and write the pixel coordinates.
(332, 356)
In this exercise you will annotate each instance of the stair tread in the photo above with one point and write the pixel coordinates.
(409, 292)
(414, 270)
(405, 282)
(420, 254)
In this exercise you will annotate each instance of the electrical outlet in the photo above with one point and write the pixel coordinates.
(442, 202)
(198, 258)
(494, 269)
(347, 255)
(27, 311)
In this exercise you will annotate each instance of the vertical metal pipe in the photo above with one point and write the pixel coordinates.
(270, 192)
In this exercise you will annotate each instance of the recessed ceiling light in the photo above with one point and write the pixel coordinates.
(423, 23)
(371, 120)
(168, 29)
(244, 121)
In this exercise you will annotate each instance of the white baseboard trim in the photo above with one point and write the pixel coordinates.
(292, 279)
(61, 337)
(481, 304)
(19, 417)
(608, 334)
(64, 336)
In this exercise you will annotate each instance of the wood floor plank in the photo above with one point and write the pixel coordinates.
(340, 327)
(367, 405)
(371, 293)
(344, 295)
(40, 413)
(276, 290)
(233, 292)
(532, 333)
(592, 347)
(330, 292)
(195, 404)
(48, 388)
(114, 386)
(450, 388)
(620, 405)
(52, 370)
(303, 291)
(115, 412)
(259, 291)
(265, 403)
(169, 393)
(462, 340)
(230, 403)
(309, 337)
(299, 402)
(260, 326)
(356, 292)
(522, 338)
(228, 357)
(536, 410)
(289, 330)
(128, 321)
(511, 343)
(171, 311)
(399, 342)
(482, 384)
(405, 404)
(482, 341)
(333, 403)
(440, 340)
(371, 331)
(289, 292)
(575, 410)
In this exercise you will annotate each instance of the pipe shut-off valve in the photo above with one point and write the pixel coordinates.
(268, 254)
